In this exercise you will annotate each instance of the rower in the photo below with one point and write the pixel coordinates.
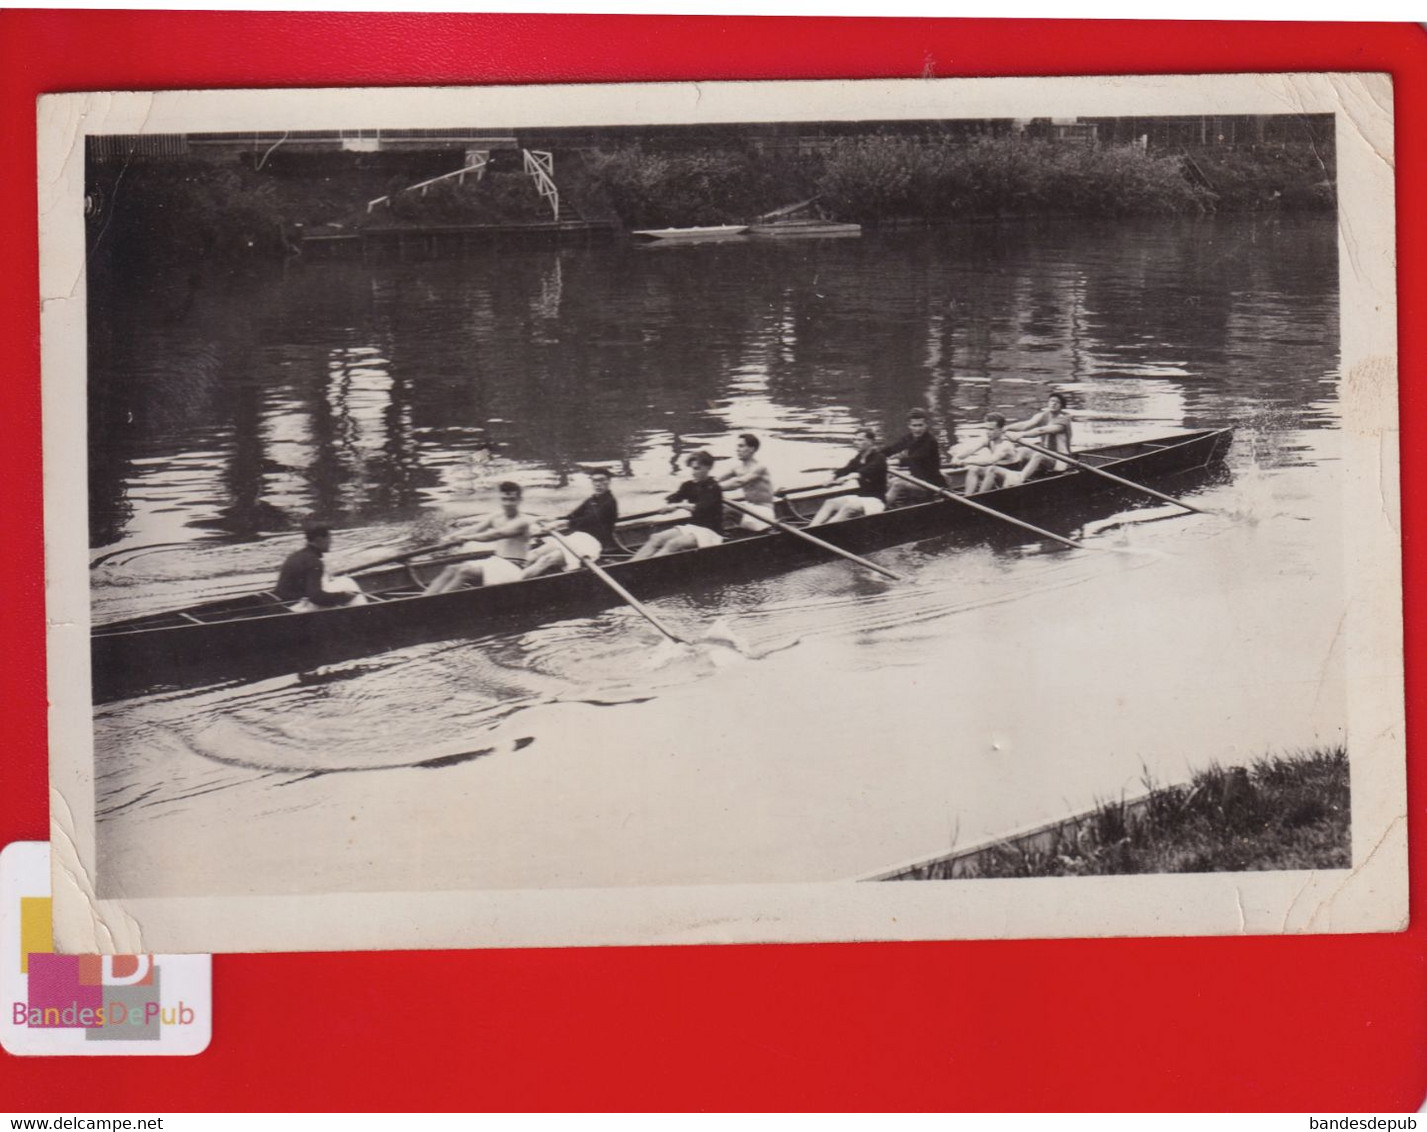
(509, 529)
(757, 484)
(703, 498)
(922, 460)
(1054, 426)
(869, 466)
(303, 577)
(590, 528)
(991, 457)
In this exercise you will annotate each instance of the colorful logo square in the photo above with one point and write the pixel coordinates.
(88, 1004)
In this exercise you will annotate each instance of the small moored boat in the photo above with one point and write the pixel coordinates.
(257, 634)
(707, 232)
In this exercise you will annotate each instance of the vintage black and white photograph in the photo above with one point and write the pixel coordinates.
(723, 513)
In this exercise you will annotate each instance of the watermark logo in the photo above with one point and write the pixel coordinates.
(88, 1003)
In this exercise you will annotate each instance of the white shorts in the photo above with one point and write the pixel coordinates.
(871, 505)
(749, 523)
(498, 571)
(702, 536)
(334, 586)
(582, 544)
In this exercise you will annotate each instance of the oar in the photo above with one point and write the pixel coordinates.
(629, 599)
(404, 556)
(638, 516)
(1074, 463)
(796, 533)
(989, 510)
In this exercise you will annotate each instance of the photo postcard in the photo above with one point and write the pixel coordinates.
(722, 513)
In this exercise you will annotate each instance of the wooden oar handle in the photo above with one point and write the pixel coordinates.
(778, 524)
(391, 559)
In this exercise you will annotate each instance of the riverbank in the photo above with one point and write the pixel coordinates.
(1284, 812)
(231, 211)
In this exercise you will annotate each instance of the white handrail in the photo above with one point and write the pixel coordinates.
(460, 174)
(540, 164)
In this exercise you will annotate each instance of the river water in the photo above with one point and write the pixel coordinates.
(839, 724)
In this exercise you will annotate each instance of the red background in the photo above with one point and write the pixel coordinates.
(1315, 1023)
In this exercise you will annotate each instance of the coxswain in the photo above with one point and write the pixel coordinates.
(922, 458)
(303, 578)
(509, 529)
(703, 498)
(992, 458)
(753, 477)
(587, 531)
(869, 467)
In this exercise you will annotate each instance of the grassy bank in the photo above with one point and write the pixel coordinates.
(1282, 812)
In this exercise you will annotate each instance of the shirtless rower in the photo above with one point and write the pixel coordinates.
(1053, 425)
(509, 529)
(757, 484)
(703, 497)
(588, 531)
(869, 467)
(996, 452)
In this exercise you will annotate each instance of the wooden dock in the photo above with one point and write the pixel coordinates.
(401, 242)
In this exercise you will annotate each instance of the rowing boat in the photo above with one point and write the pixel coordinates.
(257, 634)
(785, 229)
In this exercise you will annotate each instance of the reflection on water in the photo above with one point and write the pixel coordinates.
(832, 723)
(360, 393)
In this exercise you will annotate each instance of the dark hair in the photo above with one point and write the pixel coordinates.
(997, 419)
(917, 415)
(702, 459)
(1059, 397)
(509, 487)
(749, 439)
(600, 472)
(316, 530)
(870, 433)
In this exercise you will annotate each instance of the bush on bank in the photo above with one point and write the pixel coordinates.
(872, 178)
(644, 188)
(1296, 177)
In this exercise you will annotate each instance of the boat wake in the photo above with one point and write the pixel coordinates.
(948, 586)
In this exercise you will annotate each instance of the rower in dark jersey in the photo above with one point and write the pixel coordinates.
(303, 577)
(922, 458)
(870, 468)
(703, 498)
(588, 531)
